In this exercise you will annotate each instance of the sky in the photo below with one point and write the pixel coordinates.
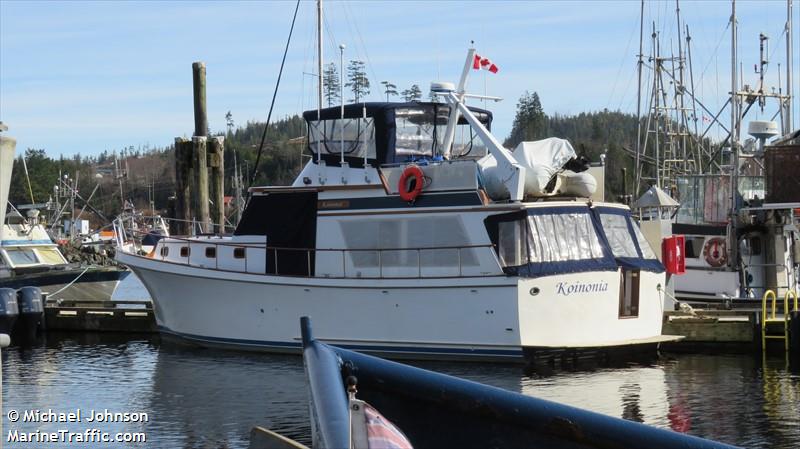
(86, 77)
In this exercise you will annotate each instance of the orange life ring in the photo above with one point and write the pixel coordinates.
(715, 252)
(407, 193)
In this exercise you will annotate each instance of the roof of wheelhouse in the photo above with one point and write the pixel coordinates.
(380, 109)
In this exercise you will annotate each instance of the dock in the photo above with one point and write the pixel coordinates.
(100, 316)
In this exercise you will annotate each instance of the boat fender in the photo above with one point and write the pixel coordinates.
(409, 192)
(715, 252)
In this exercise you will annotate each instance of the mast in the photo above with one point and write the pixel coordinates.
(319, 77)
(638, 168)
(789, 62)
(319, 57)
(734, 140)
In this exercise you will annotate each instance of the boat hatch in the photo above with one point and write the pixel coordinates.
(545, 241)
(389, 133)
(288, 222)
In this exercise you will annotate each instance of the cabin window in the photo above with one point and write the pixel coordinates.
(211, 252)
(417, 133)
(619, 237)
(164, 251)
(357, 135)
(629, 294)
(562, 237)
(185, 251)
(510, 246)
(238, 253)
(50, 256)
(395, 242)
(21, 256)
(644, 245)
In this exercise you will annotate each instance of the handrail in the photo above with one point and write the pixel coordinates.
(786, 302)
(764, 304)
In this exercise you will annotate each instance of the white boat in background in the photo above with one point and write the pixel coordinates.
(29, 258)
(389, 240)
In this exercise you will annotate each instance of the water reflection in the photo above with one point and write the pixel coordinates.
(199, 398)
(211, 399)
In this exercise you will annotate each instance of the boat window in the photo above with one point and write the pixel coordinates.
(238, 253)
(562, 237)
(357, 135)
(50, 256)
(619, 237)
(184, 251)
(21, 256)
(164, 251)
(694, 246)
(211, 252)
(417, 132)
(644, 245)
(511, 251)
(395, 242)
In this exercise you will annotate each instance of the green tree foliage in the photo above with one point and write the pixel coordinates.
(357, 81)
(413, 93)
(330, 85)
(530, 122)
(389, 89)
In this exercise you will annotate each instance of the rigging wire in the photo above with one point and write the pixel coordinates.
(360, 39)
(274, 95)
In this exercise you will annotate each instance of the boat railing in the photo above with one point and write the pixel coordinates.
(448, 261)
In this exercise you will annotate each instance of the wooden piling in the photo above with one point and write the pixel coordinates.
(200, 165)
(184, 174)
(199, 83)
(216, 163)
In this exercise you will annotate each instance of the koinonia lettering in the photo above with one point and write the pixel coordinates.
(568, 288)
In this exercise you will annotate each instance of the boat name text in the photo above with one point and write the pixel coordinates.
(568, 288)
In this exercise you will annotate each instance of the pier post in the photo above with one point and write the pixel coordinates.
(200, 163)
(200, 144)
(199, 84)
(183, 186)
(216, 162)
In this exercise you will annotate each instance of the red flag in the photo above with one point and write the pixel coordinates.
(484, 63)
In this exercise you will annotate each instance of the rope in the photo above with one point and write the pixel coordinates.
(274, 95)
(70, 284)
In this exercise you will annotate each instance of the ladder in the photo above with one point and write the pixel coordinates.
(770, 317)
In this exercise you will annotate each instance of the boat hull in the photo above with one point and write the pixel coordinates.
(467, 318)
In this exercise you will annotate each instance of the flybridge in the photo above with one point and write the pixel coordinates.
(389, 133)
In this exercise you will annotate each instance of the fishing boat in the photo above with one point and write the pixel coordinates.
(359, 401)
(30, 258)
(434, 240)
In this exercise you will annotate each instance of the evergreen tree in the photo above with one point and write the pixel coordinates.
(357, 80)
(389, 89)
(412, 94)
(530, 123)
(330, 84)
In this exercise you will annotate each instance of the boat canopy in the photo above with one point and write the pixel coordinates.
(544, 241)
(388, 133)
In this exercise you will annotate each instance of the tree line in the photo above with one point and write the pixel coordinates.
(145, 176)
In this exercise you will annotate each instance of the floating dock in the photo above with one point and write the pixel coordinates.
(100, 316)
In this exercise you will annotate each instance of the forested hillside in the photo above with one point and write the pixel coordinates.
(145, 176)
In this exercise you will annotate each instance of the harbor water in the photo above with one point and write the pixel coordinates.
(187, 397)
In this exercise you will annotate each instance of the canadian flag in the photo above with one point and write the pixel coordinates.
(483, 63)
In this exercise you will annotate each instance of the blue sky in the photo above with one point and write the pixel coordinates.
(83, 77)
